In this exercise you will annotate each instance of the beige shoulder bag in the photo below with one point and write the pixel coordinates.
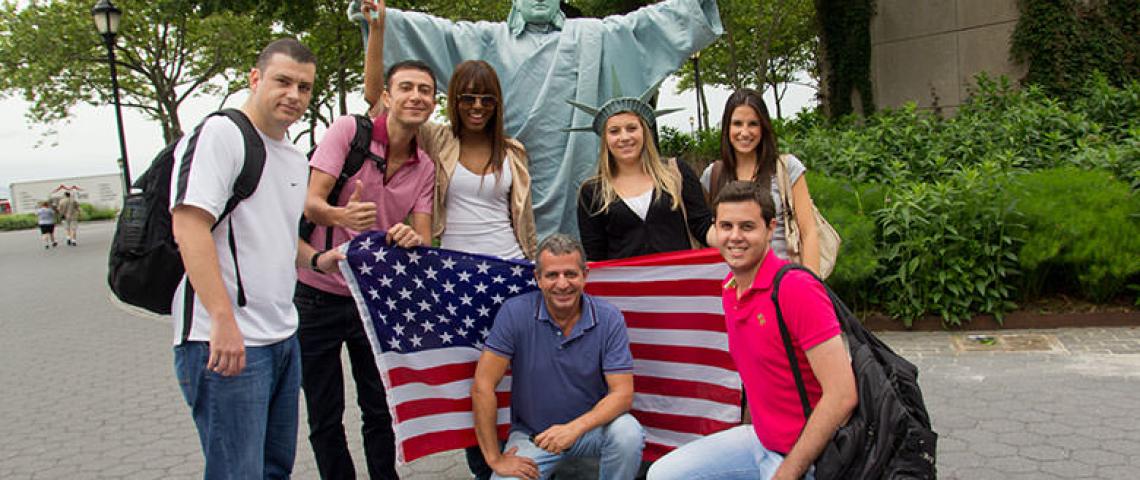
(828, 238)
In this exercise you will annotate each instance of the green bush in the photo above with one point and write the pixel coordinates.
(1017, 181)
(674, 143)
(89, 212)
(949, 247)
(20, 221)
(1122, 159)
(847, 207)
(1083, 232)
(708, 144)
(1016, 128)
(1118, 109)
(23, 221)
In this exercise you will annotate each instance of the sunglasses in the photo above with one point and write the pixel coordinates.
(468, 99)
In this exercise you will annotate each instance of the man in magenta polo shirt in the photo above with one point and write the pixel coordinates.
(780, 444)
(395, 182)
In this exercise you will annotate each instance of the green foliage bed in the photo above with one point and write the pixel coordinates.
(87, 212)
(1017, 196)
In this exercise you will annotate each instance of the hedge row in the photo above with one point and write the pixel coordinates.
(981, 240)
(22, 221)
(1017, 196)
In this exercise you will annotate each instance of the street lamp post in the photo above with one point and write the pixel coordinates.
(106, 16)
(702, 102)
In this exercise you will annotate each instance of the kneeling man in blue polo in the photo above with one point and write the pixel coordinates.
(571, 376)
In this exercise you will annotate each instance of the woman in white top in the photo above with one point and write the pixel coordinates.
(748, 152)
(482, 195)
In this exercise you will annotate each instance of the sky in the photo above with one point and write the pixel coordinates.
(87, 143)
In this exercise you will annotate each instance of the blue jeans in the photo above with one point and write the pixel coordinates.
(247, 423)
(731, 454)
(618, 443)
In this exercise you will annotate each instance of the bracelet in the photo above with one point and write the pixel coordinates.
(313, 261)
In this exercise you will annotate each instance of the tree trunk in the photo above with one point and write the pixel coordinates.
(778, 97)
(822, 63)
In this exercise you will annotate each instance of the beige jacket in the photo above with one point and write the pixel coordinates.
(443, 147)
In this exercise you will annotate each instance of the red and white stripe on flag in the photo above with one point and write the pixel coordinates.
(685, 383)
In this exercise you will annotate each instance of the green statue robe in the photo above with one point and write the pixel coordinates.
(541, 67)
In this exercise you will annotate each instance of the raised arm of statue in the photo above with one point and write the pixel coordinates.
(374, 13)
(439, 42)
(661, 36)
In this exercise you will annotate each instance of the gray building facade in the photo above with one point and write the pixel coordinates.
(928, 51)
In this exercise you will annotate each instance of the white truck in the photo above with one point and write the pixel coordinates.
(103, 191)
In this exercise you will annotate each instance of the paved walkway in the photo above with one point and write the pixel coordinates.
(87, 389)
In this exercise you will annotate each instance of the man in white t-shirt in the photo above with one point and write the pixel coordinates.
(236, 354)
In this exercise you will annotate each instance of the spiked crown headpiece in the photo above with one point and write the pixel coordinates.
(618, 104)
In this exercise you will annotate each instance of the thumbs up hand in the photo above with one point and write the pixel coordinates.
(357, 215)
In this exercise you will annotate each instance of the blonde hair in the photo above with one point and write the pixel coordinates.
(651, 164)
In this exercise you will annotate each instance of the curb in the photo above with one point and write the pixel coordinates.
(1017, 320)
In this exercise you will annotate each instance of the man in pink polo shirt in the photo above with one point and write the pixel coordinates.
(395, 182)
(780, 444)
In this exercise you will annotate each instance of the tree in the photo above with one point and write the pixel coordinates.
(51, 55)
(340, 64)
(765, 45)
(844, 56)
(337, 43)
(602, 8)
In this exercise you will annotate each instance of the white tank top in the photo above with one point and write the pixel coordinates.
(478, 214)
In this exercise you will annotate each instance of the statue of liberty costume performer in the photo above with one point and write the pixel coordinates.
(545, 60)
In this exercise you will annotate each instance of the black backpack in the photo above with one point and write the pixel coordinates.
(145, 266)
(889, 434)
(359, 150)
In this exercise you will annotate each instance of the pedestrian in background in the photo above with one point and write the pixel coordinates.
(45, 216)
(69, 214)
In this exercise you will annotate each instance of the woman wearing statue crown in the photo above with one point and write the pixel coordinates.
(638, 203)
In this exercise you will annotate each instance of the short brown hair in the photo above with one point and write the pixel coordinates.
(289, 47)
(737, 191)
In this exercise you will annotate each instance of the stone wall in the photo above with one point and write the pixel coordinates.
(928, 51)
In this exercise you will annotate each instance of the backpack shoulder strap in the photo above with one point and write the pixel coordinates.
(250, 176)
(244, 185)
(358, 150)
(787, 337)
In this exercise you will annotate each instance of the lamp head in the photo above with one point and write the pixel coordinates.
(106, 16)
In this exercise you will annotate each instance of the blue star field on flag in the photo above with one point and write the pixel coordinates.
(425, 298)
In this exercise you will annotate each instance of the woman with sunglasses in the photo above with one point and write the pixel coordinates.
(482, 194)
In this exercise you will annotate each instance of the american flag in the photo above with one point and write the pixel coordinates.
(428, 311)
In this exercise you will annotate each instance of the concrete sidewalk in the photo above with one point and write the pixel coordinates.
(88, 389)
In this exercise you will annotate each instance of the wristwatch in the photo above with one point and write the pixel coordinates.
(313, 261)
